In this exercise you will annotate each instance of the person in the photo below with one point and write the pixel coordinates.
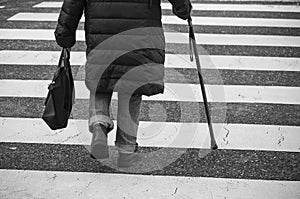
(128, 35)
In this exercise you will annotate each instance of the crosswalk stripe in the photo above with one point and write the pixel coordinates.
(231, 21)
(173, 92)
(171, 48)
(212, 21)
(18, 183)
(160, 134)
(182, 28)
(21, 57)
(208, 7)
(175, 38)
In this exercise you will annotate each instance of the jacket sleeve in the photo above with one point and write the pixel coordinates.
(181, 8)
(69, 17)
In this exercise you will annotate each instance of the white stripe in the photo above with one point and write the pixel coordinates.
(70, 185)
(179, 38)
(240, 7)
(15, 57)
(173, 92)
(232, 39)
(2, 7)
(211, 21)
(160, 134)
(232, 21)
(208, 7)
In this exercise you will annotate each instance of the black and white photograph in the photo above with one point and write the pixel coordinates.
(149, 99)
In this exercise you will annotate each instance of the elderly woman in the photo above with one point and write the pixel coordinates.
(125, 54)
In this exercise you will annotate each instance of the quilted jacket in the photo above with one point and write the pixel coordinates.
(125, 44)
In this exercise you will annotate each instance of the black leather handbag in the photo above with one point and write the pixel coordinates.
(61, 94)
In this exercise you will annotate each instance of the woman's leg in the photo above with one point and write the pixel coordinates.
(100, 123)
(99, 110)
(128, 121)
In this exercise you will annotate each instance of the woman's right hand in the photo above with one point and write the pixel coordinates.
(182, 10)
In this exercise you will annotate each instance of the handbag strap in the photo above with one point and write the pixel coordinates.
(65, 55)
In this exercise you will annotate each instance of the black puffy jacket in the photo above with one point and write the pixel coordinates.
(120, 35)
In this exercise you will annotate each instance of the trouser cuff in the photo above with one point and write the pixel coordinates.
(101, 119)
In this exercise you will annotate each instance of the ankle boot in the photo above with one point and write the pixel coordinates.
(99, 147)
(129, 159)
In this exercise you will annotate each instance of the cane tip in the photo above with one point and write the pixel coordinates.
(214, 147)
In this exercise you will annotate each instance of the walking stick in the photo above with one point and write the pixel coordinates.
(193, 46)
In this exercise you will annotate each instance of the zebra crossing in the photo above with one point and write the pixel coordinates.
(251, 65)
